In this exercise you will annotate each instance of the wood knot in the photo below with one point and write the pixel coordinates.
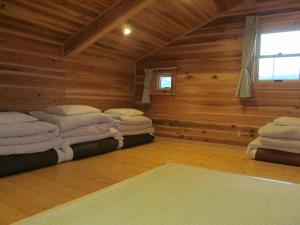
(215, 77)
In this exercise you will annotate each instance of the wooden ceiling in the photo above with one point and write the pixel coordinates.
(56, 21)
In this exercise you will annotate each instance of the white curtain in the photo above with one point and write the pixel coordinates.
(147, 86)
(244, 89)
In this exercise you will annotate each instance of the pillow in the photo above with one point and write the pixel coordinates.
(69, 110)
(15, 117)
(124, 112)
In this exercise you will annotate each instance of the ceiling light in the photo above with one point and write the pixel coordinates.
(127, 31)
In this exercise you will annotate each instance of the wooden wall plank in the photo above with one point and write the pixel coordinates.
(33, 76)
(209, 62)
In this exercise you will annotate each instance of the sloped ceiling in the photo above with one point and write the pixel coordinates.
(55, 21)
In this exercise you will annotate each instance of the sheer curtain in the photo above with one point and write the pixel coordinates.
(147, 86)
(245, 84)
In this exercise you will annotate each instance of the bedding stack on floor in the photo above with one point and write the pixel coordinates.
(27, 144)
(278, 142)
(85, 130)
(135, 128)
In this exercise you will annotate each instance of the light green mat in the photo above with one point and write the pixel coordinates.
(182, 195)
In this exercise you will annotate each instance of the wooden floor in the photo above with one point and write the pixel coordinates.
(29, 193)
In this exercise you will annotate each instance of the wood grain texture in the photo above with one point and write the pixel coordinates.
(33, 76)
(56, 21)
(30, 193)
(208, 62)
(104, 24)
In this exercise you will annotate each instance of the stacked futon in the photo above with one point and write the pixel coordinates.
(278, 142)
(27, 144)
(85, 130)
(135, 128)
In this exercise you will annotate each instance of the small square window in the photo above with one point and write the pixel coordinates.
(164, 82)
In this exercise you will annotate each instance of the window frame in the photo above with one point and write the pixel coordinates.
(155, 86)
(258, 48)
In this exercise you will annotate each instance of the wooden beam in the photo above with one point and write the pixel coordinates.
(104, 24)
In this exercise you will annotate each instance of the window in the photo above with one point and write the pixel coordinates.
(279, 56)
(164, 82)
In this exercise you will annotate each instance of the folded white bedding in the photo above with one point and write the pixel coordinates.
(149, 130)
(70, 122)
(30, 148)
(81, 139)
(287, 121)
(252, 153)
(68, 110)
(29, 139)
(286, 145)
(133, 120)
(27, 129)
(278, 131)
(64, 154)
(15, 117)
(94, 129)
(124, 112)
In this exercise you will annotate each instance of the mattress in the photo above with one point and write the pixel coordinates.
(276, 156)
(12, 164)
(135, 140)
(182, 195)
(93, 148)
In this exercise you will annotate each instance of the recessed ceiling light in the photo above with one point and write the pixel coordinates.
(127, 31)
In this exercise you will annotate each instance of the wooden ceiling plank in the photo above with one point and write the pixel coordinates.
(96, 5)
(23, 28)
(151, 29)
(209, 19)
(71, 12)
(122, 40)
(104, 24)
(265, 8)
(52, 9)
(76, 7)
(13, 10)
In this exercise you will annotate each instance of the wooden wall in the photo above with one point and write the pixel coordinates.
(33, 75)
(205, 107)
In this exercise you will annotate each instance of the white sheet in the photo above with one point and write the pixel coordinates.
(94, 129)
(137, 132)
(30, 148)
(133, 127)
(286, 145)
(15, 117)
(133, 120)
(124, 112)
(64, 154)
(26, 129)
(70, 122)
(81, 139)
(278, 131)
(286, 121)
(30, 139)
(68, 110)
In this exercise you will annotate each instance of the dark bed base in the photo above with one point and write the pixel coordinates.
(88, 149)
(13, 164)
(135, 140)
(276, 156)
